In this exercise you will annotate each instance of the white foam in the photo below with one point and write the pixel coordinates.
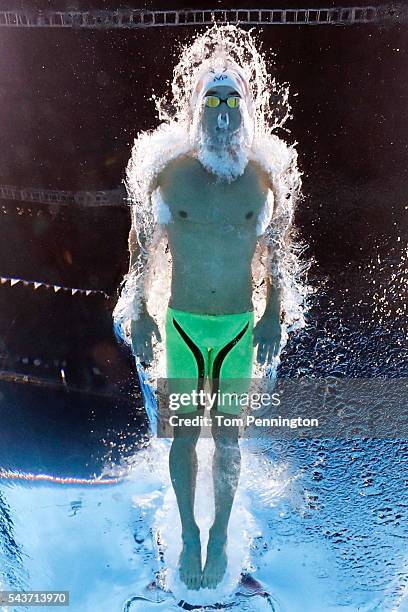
(161, 210)
(265, 216)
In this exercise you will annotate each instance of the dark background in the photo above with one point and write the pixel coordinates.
(71, 102)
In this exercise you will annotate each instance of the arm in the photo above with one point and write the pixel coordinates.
(267, 332)
(142, 326)
(273, 292)
(134, 250)
(273, 301)
(142, 249)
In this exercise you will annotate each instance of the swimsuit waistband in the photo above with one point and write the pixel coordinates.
(204, 315)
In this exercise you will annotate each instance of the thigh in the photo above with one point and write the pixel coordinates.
(185, 367)
(232, 371)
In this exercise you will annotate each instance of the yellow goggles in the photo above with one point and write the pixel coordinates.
(215, 101)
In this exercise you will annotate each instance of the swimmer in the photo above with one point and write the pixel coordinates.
(214, 199)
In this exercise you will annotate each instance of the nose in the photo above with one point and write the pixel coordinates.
(223, 121)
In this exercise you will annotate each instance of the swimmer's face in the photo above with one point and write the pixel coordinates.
(225, 118)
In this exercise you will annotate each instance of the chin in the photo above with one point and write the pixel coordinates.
(225, 156)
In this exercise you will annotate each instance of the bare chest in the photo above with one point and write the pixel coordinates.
(193, 196)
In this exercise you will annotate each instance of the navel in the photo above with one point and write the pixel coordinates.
(183, 214)
(249, 214)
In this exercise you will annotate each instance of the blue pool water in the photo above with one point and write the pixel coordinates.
(321, 525)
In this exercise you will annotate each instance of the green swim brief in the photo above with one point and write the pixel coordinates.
(214, 347)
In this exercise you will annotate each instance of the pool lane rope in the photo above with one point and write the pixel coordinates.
(128, 18)
(12, 281)
(12, 475)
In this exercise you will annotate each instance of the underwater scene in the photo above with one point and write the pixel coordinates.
(218, 190)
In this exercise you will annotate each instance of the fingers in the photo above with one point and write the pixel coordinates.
(138, 352)
(144, 352)
(148, 352)
(157, 333)
(273, 351)
(255, 338)
(271, 354)
(262, 352)
(142, 345)
(267, 351)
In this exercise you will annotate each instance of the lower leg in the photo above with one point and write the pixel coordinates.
(183, 473)
(226, 470)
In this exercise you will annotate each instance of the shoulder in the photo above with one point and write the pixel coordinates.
(258, 171)
(153, 150)
(273, 154)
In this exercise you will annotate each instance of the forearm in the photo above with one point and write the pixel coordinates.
(140, 267)
(268, 330)
(134, 268)
(273, 301)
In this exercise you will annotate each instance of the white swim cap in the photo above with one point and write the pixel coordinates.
(231, 77)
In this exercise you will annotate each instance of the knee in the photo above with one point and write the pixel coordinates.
(225, 434)
(184, 443)
(226, 441)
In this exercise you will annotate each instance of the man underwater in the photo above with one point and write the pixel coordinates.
(212, 202)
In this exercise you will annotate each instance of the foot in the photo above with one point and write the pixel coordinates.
(190, 560)
(216, 562)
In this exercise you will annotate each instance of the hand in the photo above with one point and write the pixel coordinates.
(267, 334)
(141, 332)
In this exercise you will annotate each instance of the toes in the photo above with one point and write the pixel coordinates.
(196, 583)
(215, 579)
(204, 580)
(192, 582)
(187, 582)
(199, 580)
(208, 581)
